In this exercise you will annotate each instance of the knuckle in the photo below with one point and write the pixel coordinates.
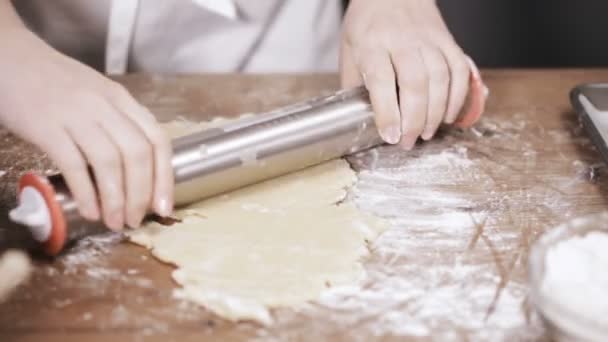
(461, 68)
(413, 79)
(69, 164)
(158, 138)
(146, 113)
(448, 44)
(438, 34)
(373, 78)
(108, 159)
(439, 73)
(118, 90)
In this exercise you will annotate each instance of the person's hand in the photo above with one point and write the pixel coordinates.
(80, 118)
(404, 43)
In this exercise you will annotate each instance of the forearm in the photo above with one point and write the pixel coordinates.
(17, 39)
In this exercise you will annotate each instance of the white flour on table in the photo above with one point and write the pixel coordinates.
(430, 217)
(446, 270)
(87, 256)
(88, 261)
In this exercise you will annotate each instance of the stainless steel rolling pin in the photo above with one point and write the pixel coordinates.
(219, 159)
(272, 144)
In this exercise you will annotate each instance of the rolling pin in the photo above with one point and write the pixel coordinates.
(225, 158)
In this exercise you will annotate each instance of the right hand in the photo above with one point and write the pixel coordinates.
(80, 118)
(405, 43)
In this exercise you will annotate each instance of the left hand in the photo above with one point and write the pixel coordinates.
(405, 43)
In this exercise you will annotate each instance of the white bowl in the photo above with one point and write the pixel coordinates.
(562, 322)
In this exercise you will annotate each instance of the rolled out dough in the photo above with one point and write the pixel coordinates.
(279, 243)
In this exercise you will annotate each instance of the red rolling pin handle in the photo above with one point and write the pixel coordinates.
(476, 100)
(57, 236)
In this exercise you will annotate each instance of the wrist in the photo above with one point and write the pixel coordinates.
(413, 5)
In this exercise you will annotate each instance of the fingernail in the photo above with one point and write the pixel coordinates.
(428, 135)
(116, 221)
(391, 134)
(163, 207)
(90, 212)
(408, 142)
(451, 119)
(135, 223)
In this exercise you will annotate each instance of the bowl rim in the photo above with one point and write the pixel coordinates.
(552, 310)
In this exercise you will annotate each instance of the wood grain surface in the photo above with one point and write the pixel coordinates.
(532, 167)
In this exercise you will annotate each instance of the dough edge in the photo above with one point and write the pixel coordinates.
(365, 226)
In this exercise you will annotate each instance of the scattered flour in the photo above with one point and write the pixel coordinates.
(452, 267)
(88, 258)
(447, 293)
(90, 266)
(432, 217)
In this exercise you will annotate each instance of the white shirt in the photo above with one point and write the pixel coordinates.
(191, 35)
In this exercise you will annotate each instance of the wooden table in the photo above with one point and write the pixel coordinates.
(528, 167)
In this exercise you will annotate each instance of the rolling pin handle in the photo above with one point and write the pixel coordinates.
(476, 99)
(40, 211)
